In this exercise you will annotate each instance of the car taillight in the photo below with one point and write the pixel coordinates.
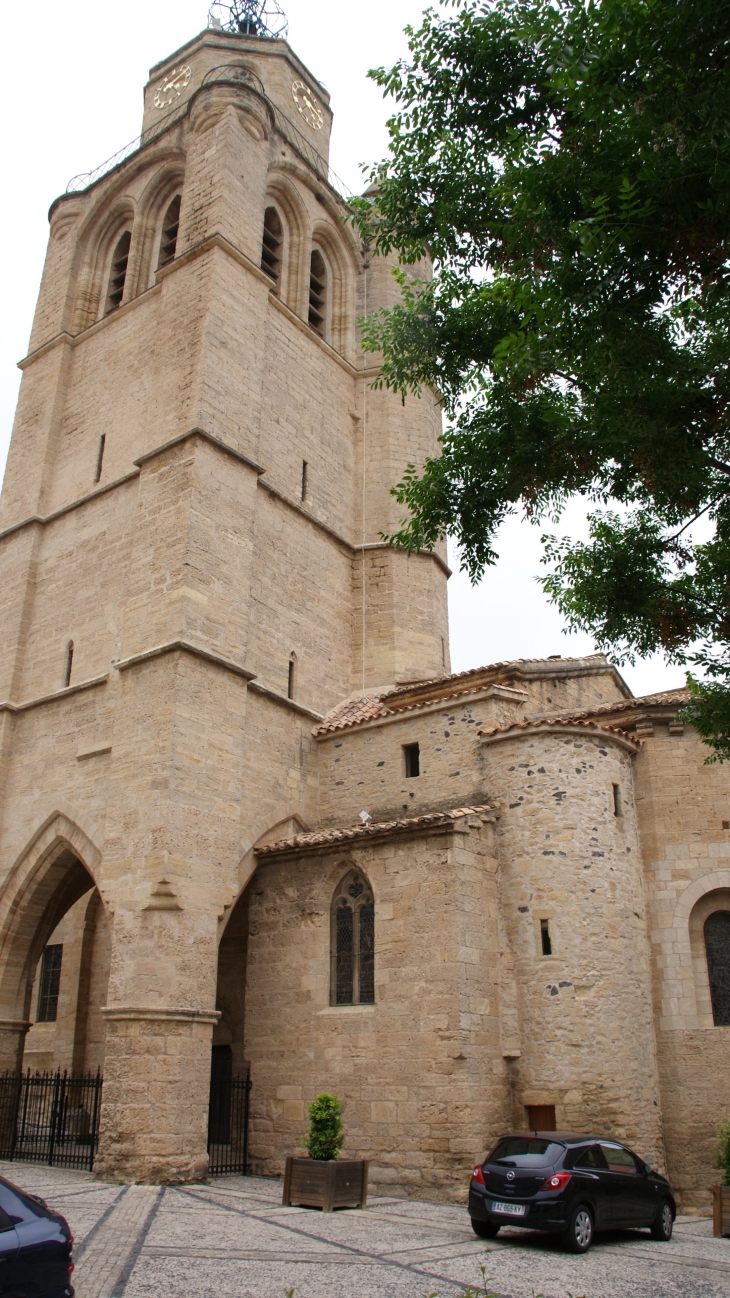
(556, 1182)
(70, 1267)
(477, 1175)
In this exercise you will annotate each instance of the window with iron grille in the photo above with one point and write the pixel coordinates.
(353, 942)
(49, 983)
(717, 947)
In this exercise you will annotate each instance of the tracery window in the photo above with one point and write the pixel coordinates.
(353, 942)
(717, 948)
(49, 984)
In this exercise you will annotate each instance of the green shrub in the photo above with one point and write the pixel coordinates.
(325, 1136)
(722, 1159)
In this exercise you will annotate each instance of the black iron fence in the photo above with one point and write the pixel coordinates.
(228, 1121)
(50, 1117)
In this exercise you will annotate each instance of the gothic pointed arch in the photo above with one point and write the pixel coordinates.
(101, 247)
(282, 195)
(58, 866)
(339, 287)
(155, 219)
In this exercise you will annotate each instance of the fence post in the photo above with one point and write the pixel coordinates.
(95, 1119)
(15, 1110)
(246, 1106)
(54, 1117)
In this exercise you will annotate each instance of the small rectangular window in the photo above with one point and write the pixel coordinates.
(412, 755)
(49, 983)
(617, 808)
(305, 466)
(547, 945)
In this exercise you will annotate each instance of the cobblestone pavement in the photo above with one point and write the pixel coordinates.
(230, 1238)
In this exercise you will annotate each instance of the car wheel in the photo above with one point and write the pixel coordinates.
(663, 1223)
(484, 1229)
(578, 1234)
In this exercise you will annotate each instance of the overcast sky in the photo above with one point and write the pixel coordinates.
(71, 95)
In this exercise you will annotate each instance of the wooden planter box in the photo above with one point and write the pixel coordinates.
(334, 1184)
(721, 1209)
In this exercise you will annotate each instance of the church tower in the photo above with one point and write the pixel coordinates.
(193, 565)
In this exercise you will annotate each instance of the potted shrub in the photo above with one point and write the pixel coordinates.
(323, 1181)
(721, 1193)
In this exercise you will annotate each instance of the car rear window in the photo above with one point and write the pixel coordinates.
(18, 1205)
(526, 1151)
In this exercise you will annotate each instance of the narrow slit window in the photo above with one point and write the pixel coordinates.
(170, 227)
(100, 457)
(271, 246)
(69, 663)
(717, 950)
(49, 984)
(547, 942)
(353, 942)
(305, 468)
(412, 757)
(291, 678)
(317, 292)
(617, 806)
(118, 273)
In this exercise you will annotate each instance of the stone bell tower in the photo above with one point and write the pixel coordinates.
(193, 567)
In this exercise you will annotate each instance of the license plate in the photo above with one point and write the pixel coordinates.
(512, 1209)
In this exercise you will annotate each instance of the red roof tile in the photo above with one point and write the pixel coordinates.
(352, 833)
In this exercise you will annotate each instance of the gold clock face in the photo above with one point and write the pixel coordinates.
(172, 87)
(307, 105)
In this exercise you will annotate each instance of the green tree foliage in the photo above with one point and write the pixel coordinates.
(566, 165)
(723, 1153)
(325, 1136)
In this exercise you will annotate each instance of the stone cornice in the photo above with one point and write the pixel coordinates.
(206, 436)
(91, 684)
(159, 1013)
(283, 700)
(585, 730)
(183, 646)
(41, 520)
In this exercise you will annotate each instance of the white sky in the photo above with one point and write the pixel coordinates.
(71, 95)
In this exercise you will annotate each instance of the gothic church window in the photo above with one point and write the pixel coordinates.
(49, 984)
(717, 948)
(118, 273)
(170, 227)
(317, 292)
(353, 942)
(271, 247)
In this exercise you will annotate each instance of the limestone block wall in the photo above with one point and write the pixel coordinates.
(420, 1071)
(585, 1012)
(681, 805)
(362, 768)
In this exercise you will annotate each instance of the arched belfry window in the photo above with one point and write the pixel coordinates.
(317, 292)
(717, 947)
(271, 247)
(353, 942)
(170, 227)
(118, 273)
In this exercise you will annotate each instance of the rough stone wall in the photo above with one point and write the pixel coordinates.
(586, 1025)
(420, 1071)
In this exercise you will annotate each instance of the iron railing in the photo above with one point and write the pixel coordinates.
(230, 74)
(228, 1124)
(50, 1117)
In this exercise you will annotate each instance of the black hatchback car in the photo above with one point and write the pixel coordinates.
(569, 1185)
(35, 1247)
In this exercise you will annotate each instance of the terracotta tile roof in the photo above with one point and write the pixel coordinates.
(441, 689)
(555, 723)
(354, 833)
(665, 698)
